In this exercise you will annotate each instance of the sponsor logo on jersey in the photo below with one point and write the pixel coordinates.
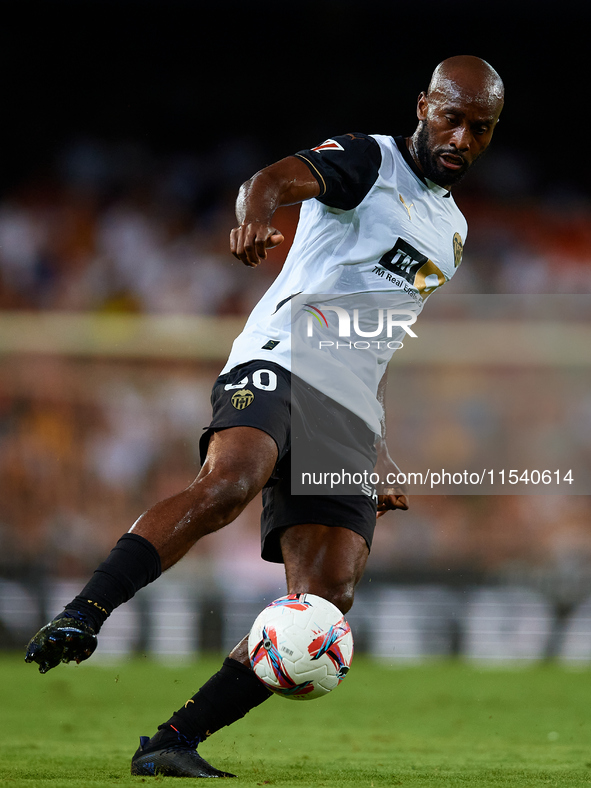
(458, 249)
(329, 145)
(242, 399)
(408, 263)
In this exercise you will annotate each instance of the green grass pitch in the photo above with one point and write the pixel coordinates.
(444, 724)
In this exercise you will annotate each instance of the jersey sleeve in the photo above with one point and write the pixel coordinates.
(346, 167)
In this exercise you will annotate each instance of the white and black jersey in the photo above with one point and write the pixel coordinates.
(378, 229)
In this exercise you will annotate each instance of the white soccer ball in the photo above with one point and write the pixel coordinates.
(300, 646)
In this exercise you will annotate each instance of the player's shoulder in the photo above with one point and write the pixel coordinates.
(350, 141)
(389, 153)
(460, 218)
(346, 167)
(353, 146)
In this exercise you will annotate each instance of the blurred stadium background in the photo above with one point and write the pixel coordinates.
(127, 129)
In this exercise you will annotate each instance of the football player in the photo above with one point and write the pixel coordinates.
(377, 218)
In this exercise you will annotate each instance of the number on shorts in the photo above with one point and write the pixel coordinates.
(263, 379)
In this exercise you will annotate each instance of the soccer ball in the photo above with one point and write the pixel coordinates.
(300, 646)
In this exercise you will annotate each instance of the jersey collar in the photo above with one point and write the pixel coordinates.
(404, 151)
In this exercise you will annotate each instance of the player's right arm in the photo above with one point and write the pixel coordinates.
(287, 182)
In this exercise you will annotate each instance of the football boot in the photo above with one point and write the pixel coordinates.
(168, 755)
(68, 637)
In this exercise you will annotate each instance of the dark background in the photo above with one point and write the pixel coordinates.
(188, 76)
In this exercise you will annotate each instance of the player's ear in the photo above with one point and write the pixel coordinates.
(422, 105)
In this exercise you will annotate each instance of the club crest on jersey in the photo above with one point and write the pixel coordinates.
(329, 145)
(242, 399)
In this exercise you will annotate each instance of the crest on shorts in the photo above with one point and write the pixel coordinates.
(458, 249)
(242, 399)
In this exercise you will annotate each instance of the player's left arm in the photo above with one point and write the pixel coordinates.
(391, 496)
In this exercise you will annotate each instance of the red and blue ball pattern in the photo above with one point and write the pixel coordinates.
(301, 646)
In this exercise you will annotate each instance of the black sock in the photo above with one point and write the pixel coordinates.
(228, 695)
(132, 564)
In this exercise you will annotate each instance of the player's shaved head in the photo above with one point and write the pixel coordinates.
(469, 78)
(457, 116)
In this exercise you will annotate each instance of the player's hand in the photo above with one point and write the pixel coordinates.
(390, 496)
(393, 500)
(250, 241)
(62, 640)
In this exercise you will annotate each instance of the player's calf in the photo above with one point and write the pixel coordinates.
(228, 695)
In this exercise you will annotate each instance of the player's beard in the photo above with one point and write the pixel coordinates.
(427, 155)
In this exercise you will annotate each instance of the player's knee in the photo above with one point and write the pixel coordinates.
(227, 495)
(340, 594)
(343, 599)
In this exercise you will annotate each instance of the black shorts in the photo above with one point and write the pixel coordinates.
(266, 396)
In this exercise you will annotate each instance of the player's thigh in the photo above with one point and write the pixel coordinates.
(242, 456)
(325, 560)
(250, 426)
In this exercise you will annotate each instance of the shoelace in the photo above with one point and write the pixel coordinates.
(182, 748)
(183, 742)
(72, 614)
